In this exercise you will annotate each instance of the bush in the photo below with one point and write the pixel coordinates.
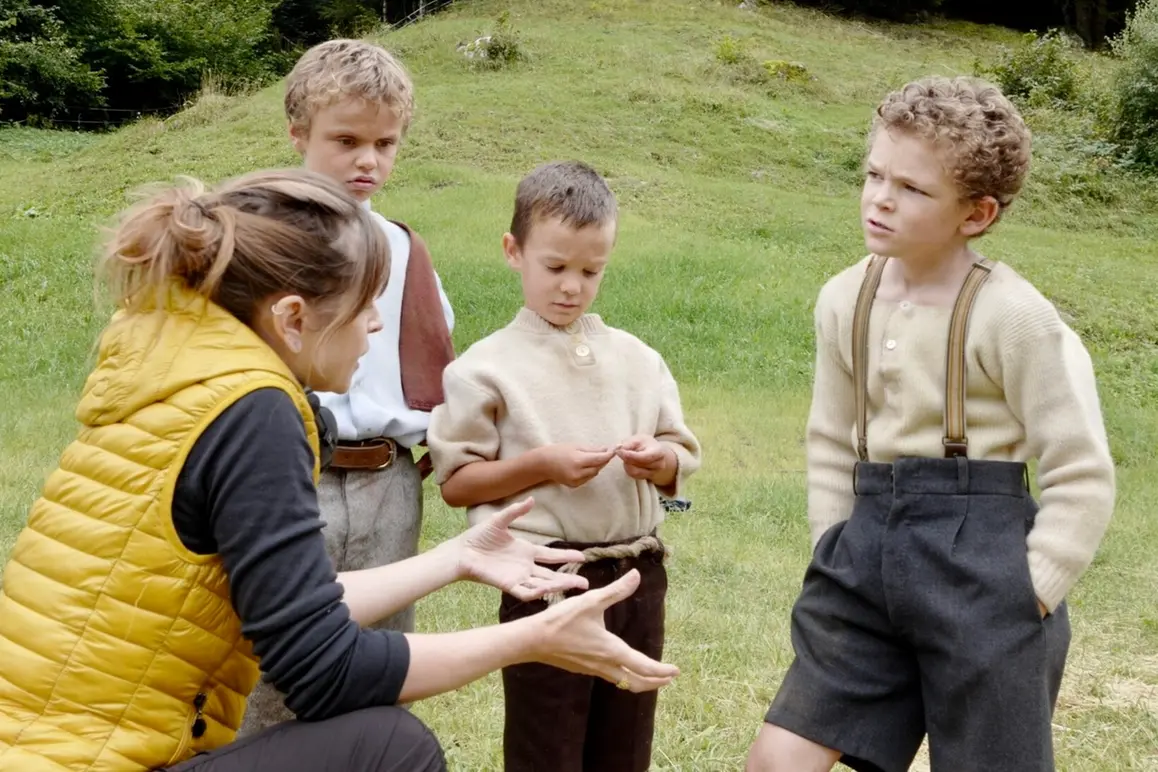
(1037, 73)
(159, 50)
(730, 50)
(783, 70)
(1135, 120)
(499, 49)
(41, 75)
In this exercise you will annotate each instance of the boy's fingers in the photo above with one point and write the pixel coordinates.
(642, 461)
(597, 459)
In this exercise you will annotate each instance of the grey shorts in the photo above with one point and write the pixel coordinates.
(917, 615)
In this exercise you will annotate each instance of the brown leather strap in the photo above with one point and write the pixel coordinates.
(860, 329)
(365, 455)
(955, 442)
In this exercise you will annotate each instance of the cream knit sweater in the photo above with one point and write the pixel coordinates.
(1031, 394)
(532, 384)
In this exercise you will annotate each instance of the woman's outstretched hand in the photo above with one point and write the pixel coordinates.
(489, 554)
(572, 636)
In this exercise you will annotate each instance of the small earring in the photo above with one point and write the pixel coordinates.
(295, 345)
(275, 310)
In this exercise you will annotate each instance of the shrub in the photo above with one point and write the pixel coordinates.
(730, 50)
(161, 49)
(793, 71)
(41, 74)
(499, 49)
(1039, 72)
(1135, 119)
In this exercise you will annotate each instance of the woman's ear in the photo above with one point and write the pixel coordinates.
(288, 321)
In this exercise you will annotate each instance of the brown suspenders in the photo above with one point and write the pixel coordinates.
(955, 442)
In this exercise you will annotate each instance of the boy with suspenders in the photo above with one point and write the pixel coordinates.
(934, 601)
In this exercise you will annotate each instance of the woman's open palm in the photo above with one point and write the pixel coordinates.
(488, 553)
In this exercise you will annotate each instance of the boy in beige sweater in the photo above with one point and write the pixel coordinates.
(934, 602)
(586, 419)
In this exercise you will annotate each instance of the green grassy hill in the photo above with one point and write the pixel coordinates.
(739, 196)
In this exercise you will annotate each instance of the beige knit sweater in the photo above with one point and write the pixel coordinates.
(1031, 394)
(532, 384)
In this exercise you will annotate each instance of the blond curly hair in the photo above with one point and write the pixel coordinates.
(984, 137)
(342, 68)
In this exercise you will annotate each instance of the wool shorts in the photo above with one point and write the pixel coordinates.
(917, 616)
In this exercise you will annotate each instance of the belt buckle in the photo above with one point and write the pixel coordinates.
(393, 456)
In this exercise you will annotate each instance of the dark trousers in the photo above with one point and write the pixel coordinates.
(918, 615)
(558, 721)
(370, 740)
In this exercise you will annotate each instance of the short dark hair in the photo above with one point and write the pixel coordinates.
(569, 190)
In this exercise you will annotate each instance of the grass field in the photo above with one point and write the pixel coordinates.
(739, 198)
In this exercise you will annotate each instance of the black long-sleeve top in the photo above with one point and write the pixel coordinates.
(246, 493)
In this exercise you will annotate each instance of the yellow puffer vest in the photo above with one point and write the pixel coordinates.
(119, 649)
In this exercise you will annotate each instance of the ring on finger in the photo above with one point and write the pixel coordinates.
(622, 684)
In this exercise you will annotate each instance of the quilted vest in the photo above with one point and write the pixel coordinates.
(119, 648)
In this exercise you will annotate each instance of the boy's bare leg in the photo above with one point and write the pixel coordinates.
(778, 750)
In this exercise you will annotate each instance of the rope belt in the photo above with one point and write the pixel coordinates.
(631, 549)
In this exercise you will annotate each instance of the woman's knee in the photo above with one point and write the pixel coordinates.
(399, 740)
(777, 750)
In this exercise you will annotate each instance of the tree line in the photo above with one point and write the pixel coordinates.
(93, 63)
(1093, 21)
(97, 63)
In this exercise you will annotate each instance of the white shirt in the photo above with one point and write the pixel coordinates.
(375, 406)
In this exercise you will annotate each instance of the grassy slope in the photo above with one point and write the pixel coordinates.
(738, 198)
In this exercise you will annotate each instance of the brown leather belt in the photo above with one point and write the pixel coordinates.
(373, 454)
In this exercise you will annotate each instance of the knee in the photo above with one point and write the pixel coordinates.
(762, 755)
(403, 742)
(425, 751)
(777, 750)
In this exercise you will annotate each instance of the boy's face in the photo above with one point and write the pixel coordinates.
(353, 141)
(561, 267)
(911, 207)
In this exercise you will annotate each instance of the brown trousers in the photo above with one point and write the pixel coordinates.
(558, 721)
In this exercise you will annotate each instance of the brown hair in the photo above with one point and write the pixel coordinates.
(342, 68)
(986, 141)
(269, 232)
(569, 190)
